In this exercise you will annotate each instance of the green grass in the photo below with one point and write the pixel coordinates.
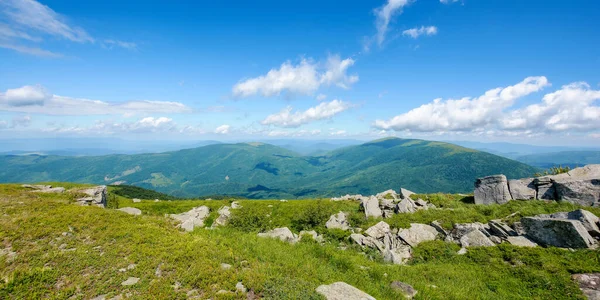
(104, 240)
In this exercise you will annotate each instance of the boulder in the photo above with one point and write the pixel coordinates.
(373, 243)
(94, 196)
(587, 219)
(558, 232)
(461, 229)
(136, 200)
(585, 192)
(398, 256)
(389, 194)
(224, 215)
(492, 190)
(342, 291)
(522, 189)
(193, 218)
(386, 204)
(520, 241)
(589, 284)
(378, 230)
(418, 233)
(371, 207)
(405, 194)
(357, 238)
(313, 234)
(545, 188)
(440, 229)
(407, 290)
(235, 205)
(475, 238)
(283, 234)
(130, 281)
(131, 210)
(339, 221)
(501, 229)
(407, 205)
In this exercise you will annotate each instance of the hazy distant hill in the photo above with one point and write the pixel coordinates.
(258, 170)
(564, 158)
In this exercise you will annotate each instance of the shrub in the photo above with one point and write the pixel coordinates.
(312, 216)
(250, 219)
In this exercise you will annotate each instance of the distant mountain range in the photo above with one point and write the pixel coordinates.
(259, 170)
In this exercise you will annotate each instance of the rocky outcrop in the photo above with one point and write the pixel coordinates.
(224, 215)
(283, 234)
(339, 221)
(522, 189)
(381, 238)
(193, 218)
(407, 290)
(39, 188)
(556, 232)
(418, 233)
(520, 241)
(589, 284)
(94, 196)
(371, 207)
(476, 238)
(342, 291)
(492, 190)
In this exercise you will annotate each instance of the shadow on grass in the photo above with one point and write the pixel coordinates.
(468, 200)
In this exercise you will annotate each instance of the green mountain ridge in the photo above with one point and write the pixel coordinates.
(259, 170)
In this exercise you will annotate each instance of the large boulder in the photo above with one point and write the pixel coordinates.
(418, 233)
(224, 215)
(398, 256)
(342, 291)
(520, 241)
(193, 218)
(405, 194)
(492, 190)
(389, 194)
(558, 232)
(590, 221)
(545, 188)
(131, 210)
(406, 206)
(339, 221)
(522, 189)
(584, 192)
(378, 230)
(283, 234)
(475, 238)
(94, 196)
(589, 284)
(371, 207)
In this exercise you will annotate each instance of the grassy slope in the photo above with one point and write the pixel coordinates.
(106, 240)
(266, 171)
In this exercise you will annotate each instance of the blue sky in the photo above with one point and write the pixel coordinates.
(494, 70)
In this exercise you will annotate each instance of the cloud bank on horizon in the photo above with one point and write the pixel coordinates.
(377, 85)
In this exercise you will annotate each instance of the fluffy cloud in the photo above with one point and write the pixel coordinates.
(423, 30)
(384, 15)
(35, 99)
(321, 97)
(287, 118)
(304, 78)
(464, 114)
(106, 127)
(223, 129)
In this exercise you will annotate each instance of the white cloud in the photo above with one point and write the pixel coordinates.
(423, 30)
(35, 99)
(30, 50)
(145, 125)
(304, 78)
(338, 133)
(287, 118)
(3, 124)
(448, 1)
(30, 14)
(321, 97)
(384, 15)
(21, 121)
(298, 133)
(25, 96)
(116, 43)
(464, 114)
(223, 129)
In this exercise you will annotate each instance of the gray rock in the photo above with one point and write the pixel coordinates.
(545, 188)
(224, 215)
(406, 206)
(131, 210)
(193, 218)
(520, 241)
(501, 229)
(495, 239)
(136, 200)
(492, 190)
(585, 192)
(378, 230)
(440, 229)
(475, 238)
(407, 290)
(39, 188)
(462, 251)
(522, 189)
(313, 234)
(558, 232)
(240, 287)
(389, 194)
(225, 266)
(418, 233)
(94, 196)
(342, 291)
(235, 205)
(518, 228)
(587, 219)
(398, 256)
(130, 281)
(283, 234)
(405, 194)
(388, 213)
(373, 243)
(461, 229)
(386, 204)
(339, 220)
(589, 284)
(371, 207)
(357, 238)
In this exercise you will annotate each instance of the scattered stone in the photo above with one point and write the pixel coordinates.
(462, 251)
(522, 189)
(500, 229)
(518, 228)
(405, 194)
(475, 238)
(235, 205)
(520, 241)
(225, 266)
(587, 219)
(495, 239)
(131, 210)
(399, 255)
(158, 271)
(283, 200)
(558, 232)
(240, 287)
(339, 221)
(136, 200)
(407, 205)
(94, 196)
(313, 234)
(193, 294)
(389, 194)
(440, 229)
(589, 284)
(492, 190)
(371, 207)
(378, 230)
(193, 218)
(39, 188)
(156, 200)
(130, 281)
(283, 234)
(406, 289)
(342, 291)
(418, 233)
(224, 215)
